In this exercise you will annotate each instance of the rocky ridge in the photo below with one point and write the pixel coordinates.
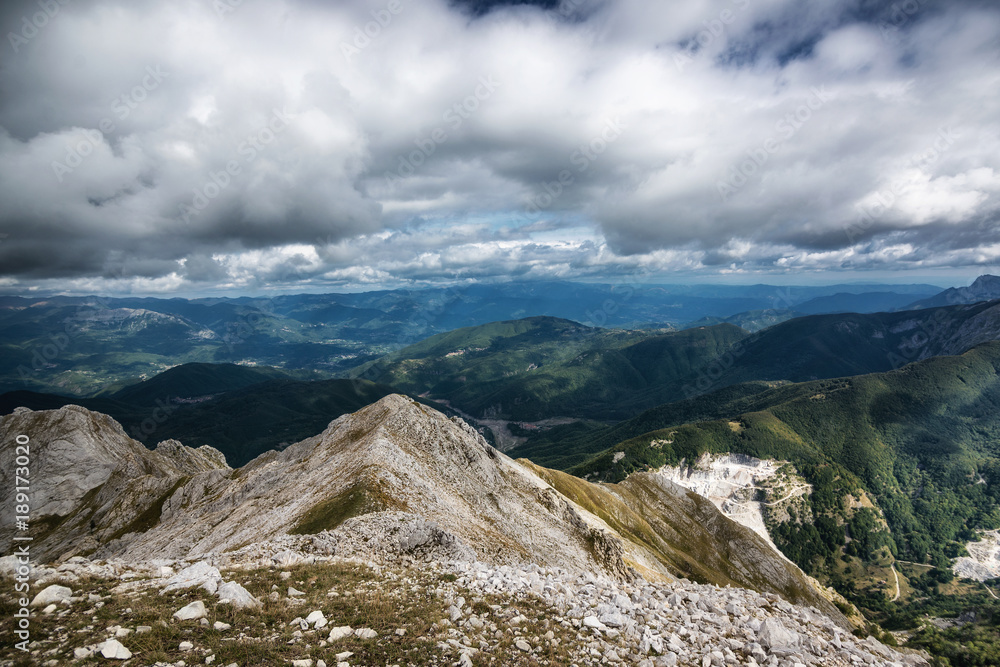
(418, 479)
(603, 570)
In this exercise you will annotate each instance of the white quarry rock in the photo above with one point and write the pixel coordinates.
(191, 612)
(54, 594)
(365, 633)
(983, 561)
(729, 481)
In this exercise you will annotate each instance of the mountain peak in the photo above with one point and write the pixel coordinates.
(987, 284)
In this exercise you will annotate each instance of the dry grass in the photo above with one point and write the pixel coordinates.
(413, 599)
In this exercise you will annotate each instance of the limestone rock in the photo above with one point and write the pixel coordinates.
(237, 596)
(114, 650)
(52, 595)
(191, 612)
(200, 574)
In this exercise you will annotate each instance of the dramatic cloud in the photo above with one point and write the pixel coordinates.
(205, 145)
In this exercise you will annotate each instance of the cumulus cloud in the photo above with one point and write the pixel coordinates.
(148, 146)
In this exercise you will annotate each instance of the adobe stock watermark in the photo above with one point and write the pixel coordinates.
(22, 540)
(225, 7)
(878, 205)
(712, 373)
(454, 118)
(582, 159)
(713, 29)
(122, 107)
(785, 129)
(248, 150)
(45, 353)
(363, 36)
(31, 25)
(157, 416)
(240, 330)
(899, 15)
(621, 294)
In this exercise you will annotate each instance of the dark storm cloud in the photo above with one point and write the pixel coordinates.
(151, 145)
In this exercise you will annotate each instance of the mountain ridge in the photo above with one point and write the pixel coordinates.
(392, 458)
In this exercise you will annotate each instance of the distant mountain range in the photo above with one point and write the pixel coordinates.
(985, 288)
(84, 345)
(541, 368)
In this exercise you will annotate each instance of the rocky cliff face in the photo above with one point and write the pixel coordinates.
(395, 474)
(984, 288)
(89, 480)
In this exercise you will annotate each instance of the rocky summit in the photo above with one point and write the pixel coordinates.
(408, 535)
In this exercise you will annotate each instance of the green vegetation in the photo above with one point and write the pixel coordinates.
(354, 501)
(543, 367)
(903, 465)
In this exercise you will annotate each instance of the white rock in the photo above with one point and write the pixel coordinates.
(340, 632)
(365, 633)
(286, 559)
(316, 619)
(191, 612)
(523, 646)
(613, 619)
(48, 610)
(82, 652)
(185, 646)
(200, 574)
(52, 595)
(294, 592)
(302, 663)
(341, 657)
(237, 596)
(775, 635)
(113, 650)
(221, 627)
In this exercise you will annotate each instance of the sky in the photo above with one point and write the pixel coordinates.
(236, 146)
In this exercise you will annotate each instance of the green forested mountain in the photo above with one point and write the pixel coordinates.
(921, 442)
(544, 367)
(538, 368)
(198, 379)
